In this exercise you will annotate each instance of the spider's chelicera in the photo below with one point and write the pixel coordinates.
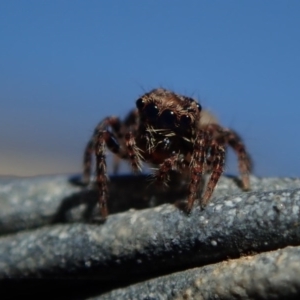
(171, 132)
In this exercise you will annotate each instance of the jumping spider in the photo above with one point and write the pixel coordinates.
(169, 131)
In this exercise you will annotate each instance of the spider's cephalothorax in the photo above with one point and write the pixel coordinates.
(171, 132)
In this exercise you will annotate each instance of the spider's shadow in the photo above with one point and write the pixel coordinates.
(126, 191)
(237, 181)
(86, 198)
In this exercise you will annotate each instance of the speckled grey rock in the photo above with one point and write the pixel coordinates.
(31, 202)
(27, 203)
(137, 244)
(273, 275)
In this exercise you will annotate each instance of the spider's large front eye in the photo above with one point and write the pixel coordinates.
(140, 103)
(168, 117)
(151, 110)
(185, 120)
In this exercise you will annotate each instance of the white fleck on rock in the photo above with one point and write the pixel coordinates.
(63, 235)
(295, 209)
(214, 243)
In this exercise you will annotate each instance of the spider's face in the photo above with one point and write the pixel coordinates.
(161, 109)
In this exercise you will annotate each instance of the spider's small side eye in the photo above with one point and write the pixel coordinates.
(168, 117)
(199, 107)
(185, 120)
(140, 103)
(151, 110)
(190, 109)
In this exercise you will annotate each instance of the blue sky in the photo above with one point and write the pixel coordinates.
(67, 64)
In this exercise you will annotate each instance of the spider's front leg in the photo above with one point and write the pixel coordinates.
(112, 122)
(102, 137)
(197, 165)
(217, 158)
(204, 146)
(229, 137)
(102, 179)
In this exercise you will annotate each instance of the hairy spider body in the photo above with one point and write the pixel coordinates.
(171, 132)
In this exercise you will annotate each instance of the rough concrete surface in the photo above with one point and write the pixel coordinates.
(52, 236)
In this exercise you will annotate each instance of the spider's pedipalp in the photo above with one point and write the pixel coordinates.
(134, 152)
(161, 175)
